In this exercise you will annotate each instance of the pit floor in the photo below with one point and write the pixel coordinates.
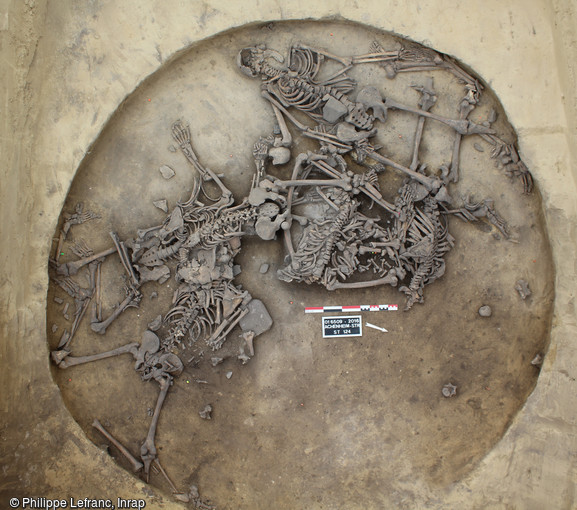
(310, 422)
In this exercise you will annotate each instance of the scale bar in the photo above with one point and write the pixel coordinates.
(354, 308)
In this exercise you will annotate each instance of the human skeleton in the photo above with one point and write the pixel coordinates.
(337, 228)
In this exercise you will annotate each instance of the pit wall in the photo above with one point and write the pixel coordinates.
(68, 65)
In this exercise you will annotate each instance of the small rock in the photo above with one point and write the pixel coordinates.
(154, 295)
(54, 328)
(478, 147)
(449, 390)
(263, 269)
(228, 375)
(537, 361)
(58, 300)
(161, 204)
(172, 148)
(167, 172)
(205, 413)
(485, 311)
(257, 320)
(522, 287)
(216, 361)
(334, 110)
(236, 270)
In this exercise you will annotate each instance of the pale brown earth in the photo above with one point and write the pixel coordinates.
(311, 421)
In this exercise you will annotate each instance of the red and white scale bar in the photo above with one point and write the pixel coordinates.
(356, 308)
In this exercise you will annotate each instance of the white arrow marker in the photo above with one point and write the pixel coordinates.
(369, 325)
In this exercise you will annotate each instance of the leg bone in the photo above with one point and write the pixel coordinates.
(136, 465)
(390, 279)
(63, 360)
(148, 448)
(428, 100)
(71, 268)
(130, 300)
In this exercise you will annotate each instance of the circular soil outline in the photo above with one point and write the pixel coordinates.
(348, 435)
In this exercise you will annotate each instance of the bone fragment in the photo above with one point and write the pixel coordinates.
(522, 287)
(155, 324)
(64, 339)
(161, 204)
(166, 477)
(167, 173)
(205, 412)
(96, 308)
(449, 390)
(159, 274)
(136, 465)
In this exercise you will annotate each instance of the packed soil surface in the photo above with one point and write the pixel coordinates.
(309, 422)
